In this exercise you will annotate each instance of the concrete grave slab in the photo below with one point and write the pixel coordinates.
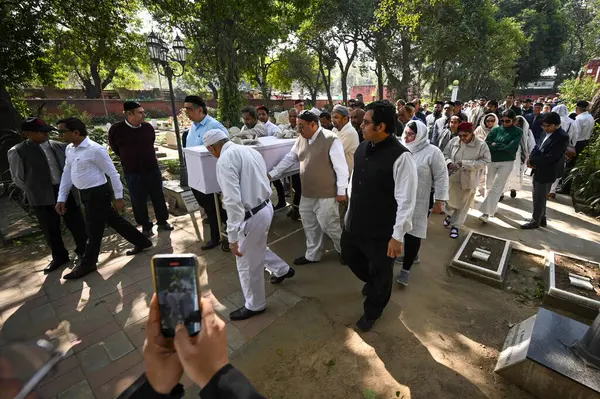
(538, 356)
(495, 274)
(565, 300)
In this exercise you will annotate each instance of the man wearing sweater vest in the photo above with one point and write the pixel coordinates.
(324, 177)
(382, 200)
(133, 141)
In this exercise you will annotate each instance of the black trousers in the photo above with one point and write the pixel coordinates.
(207, 201)
(412, 245)
(297, 189)
(98, 213)
(50, 224)
(368, 260)
(142, 185)
(280, 191)
(540, 197)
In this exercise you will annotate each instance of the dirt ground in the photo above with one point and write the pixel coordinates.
(438, 338)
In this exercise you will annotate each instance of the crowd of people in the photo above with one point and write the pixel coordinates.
(369, 177)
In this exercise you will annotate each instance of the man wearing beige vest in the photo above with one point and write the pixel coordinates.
(324, 176)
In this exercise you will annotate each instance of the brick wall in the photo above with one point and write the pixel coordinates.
(96, 106)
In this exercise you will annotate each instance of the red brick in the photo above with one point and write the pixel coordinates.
(63, 367)
(61, 383)
(116, 386)
(96, 336)
(251, 327)
(113, 370)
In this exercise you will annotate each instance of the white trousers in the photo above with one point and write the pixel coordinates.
(252, 244)
(497, 174)
(320, 215)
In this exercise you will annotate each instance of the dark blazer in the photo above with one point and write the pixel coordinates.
(548, 158)
(228, 383)
(536, 127)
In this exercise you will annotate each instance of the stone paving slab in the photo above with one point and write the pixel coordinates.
(101, 319)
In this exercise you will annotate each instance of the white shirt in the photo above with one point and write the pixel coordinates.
(86, 166)
(242, 176)
(336, 154)
(586, 125)
(272, 128)
(350, 142)
(405, 192)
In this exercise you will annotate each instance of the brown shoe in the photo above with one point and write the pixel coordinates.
(551, 196)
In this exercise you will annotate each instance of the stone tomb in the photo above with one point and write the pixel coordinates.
(542, 355)
(574, 285)
(483, 257)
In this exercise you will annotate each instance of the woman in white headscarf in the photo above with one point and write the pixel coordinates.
(432, 172)
(488, 122)
(515, 179)
(572, 129)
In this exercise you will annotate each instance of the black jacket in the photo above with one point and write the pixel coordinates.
(548, 158)
(535, 124)
(228, 383)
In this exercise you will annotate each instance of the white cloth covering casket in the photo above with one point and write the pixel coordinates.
(201, 166)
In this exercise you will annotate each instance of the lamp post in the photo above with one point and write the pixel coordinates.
(455, 90)
(159, 54)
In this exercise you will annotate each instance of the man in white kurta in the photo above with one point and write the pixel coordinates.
(242, 176)
(324, 176)
(346, 133)
(263, 116)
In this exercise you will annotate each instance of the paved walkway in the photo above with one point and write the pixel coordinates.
(102, 317)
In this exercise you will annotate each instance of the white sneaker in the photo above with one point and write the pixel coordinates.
(484, 218)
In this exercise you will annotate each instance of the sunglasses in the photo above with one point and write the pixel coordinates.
(507, 120)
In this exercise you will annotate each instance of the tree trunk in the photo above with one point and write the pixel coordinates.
(214, 90)
(595, 109)
(326, 81)
(406, 71)
(379, 73)
(9, 116)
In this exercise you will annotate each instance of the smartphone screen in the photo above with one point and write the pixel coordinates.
(176, 285)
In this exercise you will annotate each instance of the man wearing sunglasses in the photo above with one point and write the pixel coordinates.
(36, 167)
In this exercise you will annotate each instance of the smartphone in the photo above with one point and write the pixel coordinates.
(176, 285)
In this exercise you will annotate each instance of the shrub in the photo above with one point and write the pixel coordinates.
(66, 110)
(103, 119)
(154, 113)
(573, 90)
(586, 175)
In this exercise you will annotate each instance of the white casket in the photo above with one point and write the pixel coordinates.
(201, 166)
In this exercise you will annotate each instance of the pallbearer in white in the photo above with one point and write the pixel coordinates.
(242, 176)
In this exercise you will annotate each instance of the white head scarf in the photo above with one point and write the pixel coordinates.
(420, 142)
(482, 123)
(525, 125)
(567, 124)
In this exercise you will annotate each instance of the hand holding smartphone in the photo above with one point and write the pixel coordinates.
(177, 288)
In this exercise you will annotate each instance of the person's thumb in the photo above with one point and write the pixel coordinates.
(182, 342)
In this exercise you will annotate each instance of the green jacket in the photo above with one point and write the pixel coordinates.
(504, 143)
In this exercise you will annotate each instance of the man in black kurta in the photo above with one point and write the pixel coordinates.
(382, 199)
(133, 141)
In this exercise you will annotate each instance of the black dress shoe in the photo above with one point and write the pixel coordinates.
(243, 313)
(513, 193)
(529, 226)
(278, 280)
(137, 250)
(166, 226)
(303, 261)
(280, 205)
(364, 324)
(55, 264)
(543, 222)
(210, 245)
(148, 232)
(501, 198)
(80, 271)
(366, 289)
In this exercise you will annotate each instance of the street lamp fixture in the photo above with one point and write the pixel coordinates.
(159, 54)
